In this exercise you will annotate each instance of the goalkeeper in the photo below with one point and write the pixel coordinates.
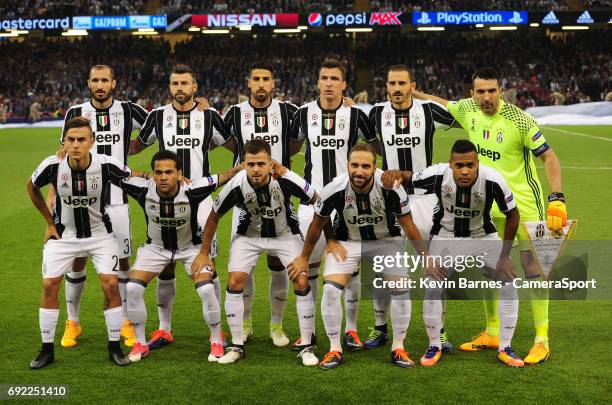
(508, 139)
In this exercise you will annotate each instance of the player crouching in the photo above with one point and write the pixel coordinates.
(368, 224)
(173, 235)
(266, 224)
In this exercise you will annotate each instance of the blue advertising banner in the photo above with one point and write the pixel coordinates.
(469, 17)
(125, 22)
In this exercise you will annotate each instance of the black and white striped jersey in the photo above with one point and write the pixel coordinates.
(464, 211)
(172, 223)
(112, 128)
(272, 124)
(81, 194)
(329, 134)
(267, 211)
(406, 136)
(188, 134)
(367, 216)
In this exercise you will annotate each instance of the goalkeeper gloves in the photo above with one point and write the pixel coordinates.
(556, 217)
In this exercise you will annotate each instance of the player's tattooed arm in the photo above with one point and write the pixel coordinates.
(203, 261)
(39, 202)
(136, 146)
(51, 198)
(391, 178)
(299, 265)
(295, 146)
(227, 175)
(424, 96)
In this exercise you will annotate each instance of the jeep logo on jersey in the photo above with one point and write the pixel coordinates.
(266, 212)
(458, 212)
(402, 122)
(79, 201)
(364, 220)
(103, 120)
(328, 123)
(491, 154)
(398, 140)
(328, 142)
(169, 222)
(106, 139)
(261, 121)
(183, 122)
(184, 141)
(271, 139)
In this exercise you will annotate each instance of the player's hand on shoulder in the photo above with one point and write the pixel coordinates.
(51, 233)
(278, 170)
(336, 249)
(184, 180)
(392, 178)
(203, 103)
(347, 101)
(202, 262)
(298, 266)
(61, 152)
(505, 270)
(418, 94)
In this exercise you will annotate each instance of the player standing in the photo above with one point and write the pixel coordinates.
(330, 129)
(262, 117)
(112, 122)
(79, 227)
(189, 132)
(508, 139)
(172, 236)
(406, 127)
(368, 223)
(266, 224)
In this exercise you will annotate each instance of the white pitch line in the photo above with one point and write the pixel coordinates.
(577, 133)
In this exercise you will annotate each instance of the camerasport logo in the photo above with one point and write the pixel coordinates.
(234, 20)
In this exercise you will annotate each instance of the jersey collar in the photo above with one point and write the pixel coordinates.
(332, 110)
(102, 109)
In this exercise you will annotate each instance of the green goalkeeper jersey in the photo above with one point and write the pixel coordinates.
(508, 141)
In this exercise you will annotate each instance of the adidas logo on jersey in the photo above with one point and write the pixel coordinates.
(585, 18)
(550, 18)
(458, 212)
(491, 154)
(107, 139)
(184, 141)
(365, 220)
(271, 139)
(79, 201)
(328, 142)
(170, 222)
(399, 140)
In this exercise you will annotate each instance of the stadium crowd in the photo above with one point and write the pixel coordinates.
(581, 70)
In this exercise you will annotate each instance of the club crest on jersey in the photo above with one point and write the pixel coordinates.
(473, 127)
(328, 123)
(116, 118)
(486, 134)
(477, 198)
(261, 121)
(402, 122)
(275, 119)
(183, 122)
(500, 136)
(182, 209)
(377, 202)
(103, 120)
(417, 121)
(341, 123)
(94, 181)
(276, 194)
(198, 125)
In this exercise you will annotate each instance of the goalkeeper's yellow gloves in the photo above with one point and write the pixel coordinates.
(556, 216)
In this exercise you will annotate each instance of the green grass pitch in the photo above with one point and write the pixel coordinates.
(578, 370)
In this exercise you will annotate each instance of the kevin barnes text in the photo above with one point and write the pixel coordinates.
(464, 283)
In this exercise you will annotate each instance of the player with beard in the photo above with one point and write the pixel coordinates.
(112, 122)
(190, 133)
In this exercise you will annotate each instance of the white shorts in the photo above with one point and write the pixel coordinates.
(245, 250)
(204, 211)
(421, 207)
(305, 215)
(155, 258)
(58, 255)
(120, 218)
(366, 251)
(488, 247)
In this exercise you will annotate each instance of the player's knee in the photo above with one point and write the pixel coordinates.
(51, 286)
(236, 283)
(301, 284)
